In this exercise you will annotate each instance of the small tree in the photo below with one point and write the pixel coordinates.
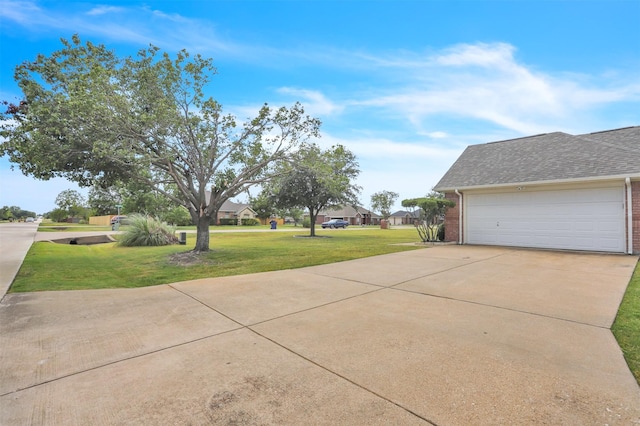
(262, 204)
(294, 213)
(104, 201)
(318, 179)
(427, 210)
(72, 202)
(383, 201)
(178, 216)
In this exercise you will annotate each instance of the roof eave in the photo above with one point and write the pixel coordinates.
(633, 176)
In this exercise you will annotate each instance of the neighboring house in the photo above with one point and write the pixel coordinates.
(403, 217)
(554, 190)
(355, 216)
(231, 210)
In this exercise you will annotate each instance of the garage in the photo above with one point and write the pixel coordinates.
(575, 219)
(552, 191)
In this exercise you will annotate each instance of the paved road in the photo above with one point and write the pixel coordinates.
(15, 240)
(450, 335)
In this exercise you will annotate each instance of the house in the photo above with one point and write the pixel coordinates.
(354, 215)
(555, 190)
(403, 217)
(231, 210)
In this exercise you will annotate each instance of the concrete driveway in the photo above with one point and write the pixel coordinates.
(450, 335)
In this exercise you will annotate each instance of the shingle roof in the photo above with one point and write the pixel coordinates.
(549, 157)
(347, 211)
(404, 213)
(230, 206)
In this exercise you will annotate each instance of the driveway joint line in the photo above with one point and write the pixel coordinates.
(379, 288)
(205, 305)
(500, 307)
(118, 361)
(409, 279)
(408, 410)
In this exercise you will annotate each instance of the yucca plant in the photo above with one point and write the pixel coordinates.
(146, 231)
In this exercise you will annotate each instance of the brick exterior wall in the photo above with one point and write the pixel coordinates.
(451, 218)
(635, 215)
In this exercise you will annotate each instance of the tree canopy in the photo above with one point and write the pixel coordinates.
(317, 179)
(72, 203)
(427, 210)
(95, 118)
(15, 213)
(383, 201)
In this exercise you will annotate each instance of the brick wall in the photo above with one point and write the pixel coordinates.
(451, 218)
(635, 216)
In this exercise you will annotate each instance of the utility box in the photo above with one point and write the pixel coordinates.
(182, 238)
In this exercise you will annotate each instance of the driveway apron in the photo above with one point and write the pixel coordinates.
(449, 335)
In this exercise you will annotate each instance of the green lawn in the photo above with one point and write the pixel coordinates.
(50, 266)
(626, 327)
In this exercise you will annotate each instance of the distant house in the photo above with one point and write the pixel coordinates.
(231, 210)
(553, 190)
(403, 217)
(354, 215)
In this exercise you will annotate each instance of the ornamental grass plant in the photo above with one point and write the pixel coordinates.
(146, 231)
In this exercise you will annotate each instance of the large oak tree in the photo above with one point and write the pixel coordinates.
(96, 118)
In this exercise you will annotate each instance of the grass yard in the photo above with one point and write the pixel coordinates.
(50, 266)
(626, 327)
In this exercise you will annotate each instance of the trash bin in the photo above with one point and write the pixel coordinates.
(182, 239)
(274, 224)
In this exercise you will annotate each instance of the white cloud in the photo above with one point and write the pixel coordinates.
(139, 25)
(486, 82)
(21, 12)
(382, 148)
(101, 10)
(315, 103)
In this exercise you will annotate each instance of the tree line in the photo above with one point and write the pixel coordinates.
(142, 132)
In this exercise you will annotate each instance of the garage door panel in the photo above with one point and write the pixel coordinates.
(583, 219)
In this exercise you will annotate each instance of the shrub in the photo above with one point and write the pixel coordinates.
(145, 231)
(178, 216)
(441, 232)
(306, 223)
(228, 221)
(250, 222)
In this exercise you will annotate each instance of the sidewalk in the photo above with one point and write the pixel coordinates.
(15, 240)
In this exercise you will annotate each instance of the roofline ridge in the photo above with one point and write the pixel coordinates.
(610, 130)
(525, 137)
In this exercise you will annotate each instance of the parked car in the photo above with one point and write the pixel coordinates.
(120, 219)
(335, 223)
(29, 219)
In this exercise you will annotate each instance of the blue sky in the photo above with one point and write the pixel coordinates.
(405, 85)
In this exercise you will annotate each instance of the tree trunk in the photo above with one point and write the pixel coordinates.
(312, 218)
(202, 236)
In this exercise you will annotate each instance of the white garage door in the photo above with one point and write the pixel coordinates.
(576, 219)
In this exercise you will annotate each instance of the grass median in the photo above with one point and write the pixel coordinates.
(51, 266)
(626, 327)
